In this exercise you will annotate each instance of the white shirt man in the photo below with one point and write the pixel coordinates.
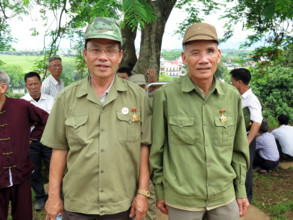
(37, 150)
(249, 100)
(284, 134)
(53, 84)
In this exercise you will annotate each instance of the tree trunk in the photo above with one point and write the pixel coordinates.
(151, 37)
(129, 55)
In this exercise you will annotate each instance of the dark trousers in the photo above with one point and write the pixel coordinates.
(78, 216)
(21, 201)
(37, 152)
(264, 164)
(283, 157)
(248, 182)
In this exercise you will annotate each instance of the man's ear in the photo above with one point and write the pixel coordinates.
(3, 88)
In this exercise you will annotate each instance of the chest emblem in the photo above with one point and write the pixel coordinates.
(134, 116)
(223, 118)
(125, 111)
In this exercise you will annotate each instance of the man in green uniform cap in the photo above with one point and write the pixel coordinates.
(199, 155)
(99, 129)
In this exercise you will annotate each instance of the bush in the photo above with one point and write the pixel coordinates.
(274, 88)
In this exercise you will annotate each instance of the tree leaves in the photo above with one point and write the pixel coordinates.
(138, 12)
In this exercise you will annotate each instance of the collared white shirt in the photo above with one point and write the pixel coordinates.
(284, 134)
(45, 102)
(251, 101)
(51, 86)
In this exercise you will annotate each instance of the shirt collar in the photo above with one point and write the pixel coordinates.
(42, 97)
(247, 93)
(117, 84)
(188, 85)
(54, 81)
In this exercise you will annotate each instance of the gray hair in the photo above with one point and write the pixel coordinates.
(50, 59)
(4, 78)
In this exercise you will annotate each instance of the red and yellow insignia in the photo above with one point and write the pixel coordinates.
(134, 116)
(223, 118)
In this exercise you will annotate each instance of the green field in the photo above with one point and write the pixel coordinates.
(27, 62)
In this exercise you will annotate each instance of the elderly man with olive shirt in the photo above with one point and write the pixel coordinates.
(101, 129)
(199, 154)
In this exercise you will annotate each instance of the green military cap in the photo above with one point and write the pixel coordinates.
(102, 27)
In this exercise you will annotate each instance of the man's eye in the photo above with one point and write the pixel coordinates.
(97, 51)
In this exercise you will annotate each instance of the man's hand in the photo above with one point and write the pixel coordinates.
(152, 75)
(53, 207)
(139, 207)
(162, 206)
(243, 206)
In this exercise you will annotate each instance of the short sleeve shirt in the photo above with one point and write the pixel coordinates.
(251, 101)
(103, 143)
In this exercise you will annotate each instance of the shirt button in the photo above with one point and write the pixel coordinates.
(204, 124)
(102, 129)
(102, 171)
(101, 190)
(209, 165)
(102, 150)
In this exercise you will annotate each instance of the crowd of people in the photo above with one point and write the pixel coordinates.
(112, 154)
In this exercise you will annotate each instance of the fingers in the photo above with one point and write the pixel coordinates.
(162, 206)
(131, 214)
(243, 206)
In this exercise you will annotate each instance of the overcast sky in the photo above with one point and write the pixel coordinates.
(21, 31)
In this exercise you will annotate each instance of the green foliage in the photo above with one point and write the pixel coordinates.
(195, 11)
(271, 21)
(8, 10)
(15, 72)
(171, 54)
(165, 78)
(274, 88)
(138, 12)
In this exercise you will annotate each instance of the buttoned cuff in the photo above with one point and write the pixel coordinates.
(241, 191)
(159, 189)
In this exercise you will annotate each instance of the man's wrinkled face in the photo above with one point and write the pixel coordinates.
(55, 68)
(202, 58)
(102, 57)
(33, 85)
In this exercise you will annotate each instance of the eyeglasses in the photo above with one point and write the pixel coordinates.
(97, 51)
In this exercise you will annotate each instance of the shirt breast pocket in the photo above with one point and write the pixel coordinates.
(224, 132)
(76, 130)
(182, 130)
(128, 129)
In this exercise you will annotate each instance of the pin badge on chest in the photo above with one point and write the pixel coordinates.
(223, 118)
(125, 111)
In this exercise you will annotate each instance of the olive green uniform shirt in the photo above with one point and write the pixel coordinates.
(198, 159)
(103, 143)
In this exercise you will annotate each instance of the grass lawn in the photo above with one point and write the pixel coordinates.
(27, 62)
(273, 193)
